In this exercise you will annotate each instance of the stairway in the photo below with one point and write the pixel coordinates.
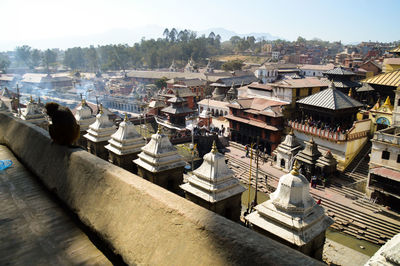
(359, 167)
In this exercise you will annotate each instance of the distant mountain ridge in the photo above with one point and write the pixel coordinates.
(120, 35)
(227, 34)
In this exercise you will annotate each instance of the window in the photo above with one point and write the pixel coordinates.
(297, 92)
(398, 103)
(385, 155)
(309, 91)
(398, 158)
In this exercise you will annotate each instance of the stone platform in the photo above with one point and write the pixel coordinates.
(35, 230)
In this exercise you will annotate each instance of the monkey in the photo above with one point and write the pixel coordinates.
(64, 129)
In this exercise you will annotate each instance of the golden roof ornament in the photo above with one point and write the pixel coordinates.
(350, 93)
(295, 168)
(291, 132)
(159, 129)
(31, 100)
(214, 148)
(126, 117)
(101, 109)
(387, 102)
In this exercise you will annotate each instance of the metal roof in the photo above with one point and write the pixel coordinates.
(386, 79)
(339, 71)
(331, 98)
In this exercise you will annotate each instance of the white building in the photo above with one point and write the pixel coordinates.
(216, 108)
(315, 70)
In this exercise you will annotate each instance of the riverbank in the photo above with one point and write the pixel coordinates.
(338, 254)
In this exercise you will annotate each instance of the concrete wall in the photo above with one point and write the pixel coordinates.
(142, 222)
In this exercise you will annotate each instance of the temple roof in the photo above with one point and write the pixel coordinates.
(159, 154)
(101, 129)
(291, 213)
(126, 140)
(386, 79)
(339, 71)
(331, 98)
(213, 181)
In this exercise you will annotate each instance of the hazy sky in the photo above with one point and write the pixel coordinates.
(37, 21)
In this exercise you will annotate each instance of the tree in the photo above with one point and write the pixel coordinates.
(301, 39)
(92, 59)
(172, 35)
(36, 58)
(4, 62)
(23, 54)
(232, 65)
(49, 58)
(166, 34)
(161, 83)
(74, 58)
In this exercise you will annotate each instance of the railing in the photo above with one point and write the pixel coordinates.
(356, 132)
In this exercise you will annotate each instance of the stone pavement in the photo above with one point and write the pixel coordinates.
(35, 230)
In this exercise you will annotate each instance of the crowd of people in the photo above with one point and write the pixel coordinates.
(342, 128)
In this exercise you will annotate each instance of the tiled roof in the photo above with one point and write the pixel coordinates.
(387, 79)
(256, 85)
(331, 98)
(318, 67)
(339, 71)
(386, 172)
(227, 82)
(342, 83)
(161, 74)
(365, 87)
(251, 122)
(300, 83)
(391, 61)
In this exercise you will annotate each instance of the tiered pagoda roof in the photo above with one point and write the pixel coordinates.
(102, 129)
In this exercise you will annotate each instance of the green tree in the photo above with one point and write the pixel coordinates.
(4, 62)
(36, 58)
(74, 58)
(49, 58)
(161, 83)
(23, 54)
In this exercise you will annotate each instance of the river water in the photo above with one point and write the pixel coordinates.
(361, 246)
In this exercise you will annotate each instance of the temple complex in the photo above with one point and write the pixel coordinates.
(125, 145)
(160, 163)
(286, 151)
(214, 187)
(98, 135)
(329, 117)
(231, 94)
(172, 67)
(292, 217)
(84, 117)
(33, 114)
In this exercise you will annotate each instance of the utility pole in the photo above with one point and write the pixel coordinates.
(257, 157)
(19, 100)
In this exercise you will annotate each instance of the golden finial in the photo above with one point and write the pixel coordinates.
(214, 148)
(295, 168)
(387, 102)
(126, 117)
(350, 93)
(291, 131)
(159, 129)
(31, 100)
(83, 102)
(101, 109)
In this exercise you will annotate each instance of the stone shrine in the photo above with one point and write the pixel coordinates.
(308, 158)
(286, 151)
(98, 135)
(84, 118)
(160, 163)
(33, 114)
(292, 217)
(326, 165)
(214, 187)
(125, 145)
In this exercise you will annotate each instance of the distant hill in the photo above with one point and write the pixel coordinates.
(227, 34)
(120, 35)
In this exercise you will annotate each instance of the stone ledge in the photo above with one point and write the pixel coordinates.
(142, 222)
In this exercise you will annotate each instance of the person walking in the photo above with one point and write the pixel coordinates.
(246, 148)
